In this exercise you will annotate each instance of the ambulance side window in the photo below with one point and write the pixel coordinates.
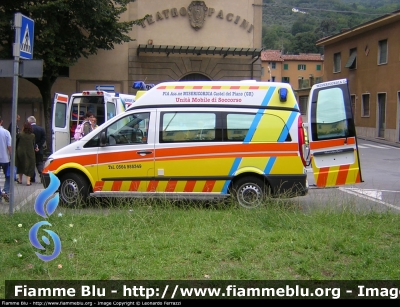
(237, 126)
(110, 110)
(331, 114)
(93, 142)
(131, 129)
(187, 127)
(61, 110)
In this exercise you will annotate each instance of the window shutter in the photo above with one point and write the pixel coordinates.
(351, 60)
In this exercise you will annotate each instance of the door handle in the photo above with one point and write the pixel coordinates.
(144, 153)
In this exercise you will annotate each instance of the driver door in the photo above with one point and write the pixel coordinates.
(125, 163)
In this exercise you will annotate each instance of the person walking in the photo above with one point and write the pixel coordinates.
(16, 133)
(25, 153)
(40, 138)
(5, 153)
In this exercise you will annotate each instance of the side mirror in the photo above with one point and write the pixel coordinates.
(103, 139)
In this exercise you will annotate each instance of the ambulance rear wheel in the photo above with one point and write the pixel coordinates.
(250, 192)
(74, 189)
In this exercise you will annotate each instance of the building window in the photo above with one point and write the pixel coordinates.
(273, 65)
(318, 67)
(365, 105)
(63, 71)
(301, 67)
(337, 62)
(285, 79)
(352, 61)
(285, 66)
(383, 50)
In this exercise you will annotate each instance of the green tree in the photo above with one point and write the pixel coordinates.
(65, 30)
(327, 27)
(275, 37)
(303, 24)
(305, 43)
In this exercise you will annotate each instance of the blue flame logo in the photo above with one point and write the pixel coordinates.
(41, 209)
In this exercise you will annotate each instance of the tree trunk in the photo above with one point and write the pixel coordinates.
(44, 85)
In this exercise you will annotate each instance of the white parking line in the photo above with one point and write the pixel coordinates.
(351, 191)
(27, 200)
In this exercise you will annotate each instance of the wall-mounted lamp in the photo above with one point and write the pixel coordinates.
(150, 42)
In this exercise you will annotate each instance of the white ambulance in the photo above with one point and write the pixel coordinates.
(68, 113)
(211, 140)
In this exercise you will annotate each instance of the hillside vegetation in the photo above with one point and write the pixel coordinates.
(294, 26)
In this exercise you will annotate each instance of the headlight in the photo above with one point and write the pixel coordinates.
(47, 163)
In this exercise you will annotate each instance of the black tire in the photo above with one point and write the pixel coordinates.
(250, 192)
(74, 189)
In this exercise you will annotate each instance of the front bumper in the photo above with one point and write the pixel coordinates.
(288, 185)
(46, 180)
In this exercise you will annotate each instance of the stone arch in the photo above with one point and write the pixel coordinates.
(195, 77)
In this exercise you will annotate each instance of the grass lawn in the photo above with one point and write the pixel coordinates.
(162, 240)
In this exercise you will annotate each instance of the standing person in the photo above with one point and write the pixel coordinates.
(5, 152)
(16, 133)
(25, 153)
(93, 121)
(85, 127)
(16, 127)
(40, 138)
(87, 123)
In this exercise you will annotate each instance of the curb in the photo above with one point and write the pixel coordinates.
(380, 141)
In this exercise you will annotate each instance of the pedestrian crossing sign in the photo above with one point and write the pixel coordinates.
(26, 38)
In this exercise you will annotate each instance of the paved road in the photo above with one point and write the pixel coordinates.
(24, 196)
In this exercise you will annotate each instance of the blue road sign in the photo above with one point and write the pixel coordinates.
(106, 88)
(26, 38)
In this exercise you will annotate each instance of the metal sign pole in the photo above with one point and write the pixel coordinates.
(16, 53)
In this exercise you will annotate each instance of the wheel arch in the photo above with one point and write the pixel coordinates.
(241, 175)
(79, 171)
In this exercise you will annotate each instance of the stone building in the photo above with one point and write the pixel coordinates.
(368, 56)
(300, 70)
(180, 40)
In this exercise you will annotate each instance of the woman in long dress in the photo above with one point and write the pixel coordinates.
(25, 153)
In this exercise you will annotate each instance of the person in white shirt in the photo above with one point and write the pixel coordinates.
(5, 152)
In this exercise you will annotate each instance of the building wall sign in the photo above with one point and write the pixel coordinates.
(197, 12)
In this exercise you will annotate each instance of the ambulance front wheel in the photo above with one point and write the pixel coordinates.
(74, 189)
(250, 192)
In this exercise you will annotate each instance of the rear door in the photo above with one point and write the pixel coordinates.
(111, 109)
(110, 102)
(332, 135)
(60, 127)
